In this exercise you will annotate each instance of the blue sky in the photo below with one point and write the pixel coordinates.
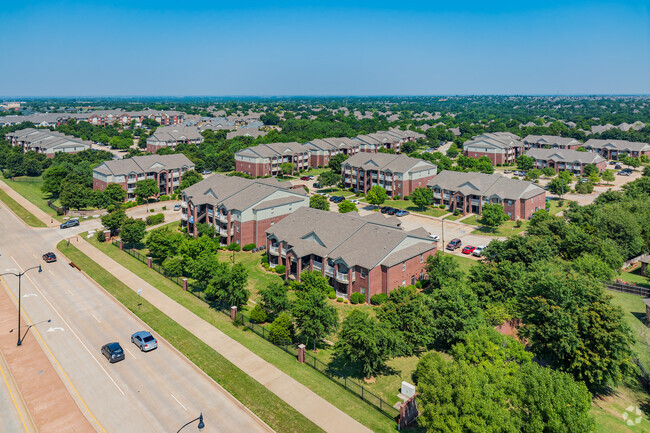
(186, 48)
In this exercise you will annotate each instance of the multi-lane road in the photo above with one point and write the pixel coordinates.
(157, 391)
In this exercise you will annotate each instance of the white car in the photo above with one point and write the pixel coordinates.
(434, 238)
(478, 252)
(355, 201)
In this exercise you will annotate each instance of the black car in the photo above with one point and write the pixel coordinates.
(113, 352)
(392, 211)
(69, 223)
(612, 162)
(337, 199)
(316, 185)
(618, 167)
(385, 209)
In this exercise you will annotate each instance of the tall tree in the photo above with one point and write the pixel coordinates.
(189, 178)
(274, 299)
(493, 215)
(115, 192)
(558, 186)
(525, 162)
(376, 196)
(132, 231)
(336, 161)
(347, 206)
(443, 269)
(422, 197)
(145, 189)
(229, 286)
(314, 316)
(329, 178)
(113, 221)
(320, 202)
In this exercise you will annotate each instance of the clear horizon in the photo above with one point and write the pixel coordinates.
(70, 49)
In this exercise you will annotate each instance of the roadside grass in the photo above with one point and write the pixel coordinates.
(635, 277)
(22, 213)
(269, 407)
(336, 192)
(409, 206)
(608, 410)
(508, 228)
(309, 377)
(464, 263)
(634, 310)
(453, 217)
(314, 172)
(30, 188)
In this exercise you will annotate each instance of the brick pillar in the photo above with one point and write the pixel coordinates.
(349, 282)
(149, 262)
(298, 268)
(233, 312)
(185, 284)
(228, 241)
(301, 353)
(195, 216)
(107, 235)
(121, 245)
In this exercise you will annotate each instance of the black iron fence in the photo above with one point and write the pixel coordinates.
(629, 288)
(352, 385)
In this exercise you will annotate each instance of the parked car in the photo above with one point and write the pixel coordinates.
(627, 170)
(469, 249)
(385, 209)
(624, 173)
(177, 207)
(113, 352)
(401, 213)
(69, 223)
(144, 340)
(618, 166)
(612, 162)
(304, 178)
(583, 180)
(207, 172)
(453, 244)
(392, 211)
(49, 257)
(355, 201)
(316, 185)
(478, 251)
(336, 199)
(434, 238)
(507, 171)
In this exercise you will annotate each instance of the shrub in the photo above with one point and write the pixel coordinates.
(442, 206)
(266, 266)
(357, 298)
(339, 299)
(280, 269)
(152, 210)
(101, 237)
(110, 208)
(518, 223)
(258, 315)
(457, 212)
(234, 247)
(281, 331)
(128, 205)
(378, 299)
(155, 219)
(406, 197)
(331, 294)
(265, 259)
(164, 198)
(249, 247)
(419, 284)
(164, 208)
(396, 197)
(345, 301)
(306, 189)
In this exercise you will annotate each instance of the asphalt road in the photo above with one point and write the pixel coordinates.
(157, 391)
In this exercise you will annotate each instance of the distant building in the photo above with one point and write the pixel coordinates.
(323, 149)
(399, 175)
(617, 149)
(170, 136)
(469, 192)
(566, 160)
(46, 142)
(166, 169)
(239, 209)
(267, 159)
(367, 255)
(499, 147)
(550, 142)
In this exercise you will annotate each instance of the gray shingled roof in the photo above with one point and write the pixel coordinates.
(272, 150)
(550, 140)
(485, 185)
(565, 155)
(620, 145)
(388, 162)
(175, 133)
(143, 164)
(501, 140)
(46, 139)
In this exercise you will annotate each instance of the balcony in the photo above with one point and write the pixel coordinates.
(184, 217)
(329, 270)
(223, 218)
(283, 252)
(223, 232)
(318, 266)
(273, 250)
(183, 204)
(341, 278)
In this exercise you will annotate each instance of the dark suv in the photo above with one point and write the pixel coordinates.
(453, 244)
(385, 209)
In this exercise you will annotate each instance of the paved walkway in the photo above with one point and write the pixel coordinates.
(305, 401)
(31, 207)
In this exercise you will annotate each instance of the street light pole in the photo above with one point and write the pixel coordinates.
(20, 275)
(199, 419)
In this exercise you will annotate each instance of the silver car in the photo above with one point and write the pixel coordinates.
(144, 340)
(478, 251)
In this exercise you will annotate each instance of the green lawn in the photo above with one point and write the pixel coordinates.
(635, 277)
(508, 228)
(634, 309)
(454, 217)
(336, 192)
(22, 213)
(464, 262)
(314, 172)
(309, 377)
(409, 206)
(555, 208)
(269, 407)
(30, 188)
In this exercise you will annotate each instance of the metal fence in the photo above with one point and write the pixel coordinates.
(59, 210)
(349, 384)
(629, 288)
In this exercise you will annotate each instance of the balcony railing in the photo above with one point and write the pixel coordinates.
(183, 204)
(329, 270)
(341, 277)
(223, 218)
(273, 250)
(283, 251)
(317, 266)
(223, 232)
(184, 217)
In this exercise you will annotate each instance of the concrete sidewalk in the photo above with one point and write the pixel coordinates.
(29, 206)
(305, 401)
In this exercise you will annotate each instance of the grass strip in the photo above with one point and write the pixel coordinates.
(304, 374)
(270, 408)
(22, 213)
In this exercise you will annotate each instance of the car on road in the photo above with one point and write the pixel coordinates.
(469, 249)
(583, 180)
(69, 223)
(355, 201)
(401, 213)
(113, 352)
(478, 252)
(385, 209)
(144, 340)
(304, 178)
(507, 171)
(434, 238)
(49, 257)
(453, 244)
(612, 162)
(177, 207)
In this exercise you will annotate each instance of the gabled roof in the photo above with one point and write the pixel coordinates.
(551, 140)
(485, 185)
(272, 150)
(388, 162)
(46, 139)
(619, 145)
(175, 133)
(499, 140)
(144, 164)
(565, 155)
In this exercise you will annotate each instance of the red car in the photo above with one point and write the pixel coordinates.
(468, 249)
(49, 257)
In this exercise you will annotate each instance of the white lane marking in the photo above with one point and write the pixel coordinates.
(130, 353)
(50, 271)
(95, 317)
(29, 295)
(35, 256)
(55, 328)
(178, 401)
(73, 333)
(69, 291)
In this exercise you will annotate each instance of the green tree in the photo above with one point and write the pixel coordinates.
(548, 171)
(274, 299)
(442, 270)
(115, 192)
(204, 268)
(493, 216)
(162, 243)
(365, 341)
(590, 169)
(646, 172)
(329, 178)
(487, 347)
(455, 311)
(607, 176)
(75, 196)
(422, 197)
(287, 168)
(525, 163)
(229, 286)
(347, 206)
(558, 186)
(189, 178)
(53, 179)
(174, 266)
(320, 202)
(376, 196)
(336, 161)
(132, 231)
(282, 330)
(631, 161)
(145, 189)
(533, 174)
(314, 316)
(113, 221)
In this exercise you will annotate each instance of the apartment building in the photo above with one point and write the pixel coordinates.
(46, 141)
(616, 149)
(550, 142)
(357, 254)
(166, 169)
(267, 159)
(323, 149)
(399, 175)
(171, 136)
(239, 209)
(469, 192)
(573, 161)
(391, 139)
(499, 147)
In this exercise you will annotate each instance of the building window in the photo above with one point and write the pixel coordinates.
(362, 273)
(412, 280)
(403, 282)
(363, 291)
(404, 266)
(421, 258)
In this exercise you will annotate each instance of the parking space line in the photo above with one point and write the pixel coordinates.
(95, 317)
(178, 401)
(130, 352)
